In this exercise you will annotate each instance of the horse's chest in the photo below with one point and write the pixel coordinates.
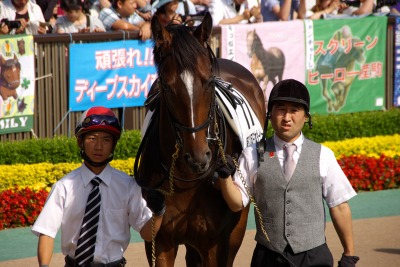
(189, 218)
(257, 67)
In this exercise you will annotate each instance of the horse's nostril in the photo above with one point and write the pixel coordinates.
(187, 157)
(208, 155)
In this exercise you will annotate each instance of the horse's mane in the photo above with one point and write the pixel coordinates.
(184, 48)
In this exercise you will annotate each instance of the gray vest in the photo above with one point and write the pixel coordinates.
(293, 212)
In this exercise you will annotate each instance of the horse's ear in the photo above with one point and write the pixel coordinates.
(15, 57)
(160, 35)
(203, 31)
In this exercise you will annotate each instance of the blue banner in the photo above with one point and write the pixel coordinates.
(396, 88)
(111, 74)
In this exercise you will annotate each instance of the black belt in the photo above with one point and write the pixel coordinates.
(70, 262)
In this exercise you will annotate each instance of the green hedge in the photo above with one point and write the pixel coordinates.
(351, 125)
(325, 128)
(61, 149)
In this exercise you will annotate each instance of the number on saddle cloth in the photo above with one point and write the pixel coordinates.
(238, 113)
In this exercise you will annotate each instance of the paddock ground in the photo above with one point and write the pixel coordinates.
(376, 230)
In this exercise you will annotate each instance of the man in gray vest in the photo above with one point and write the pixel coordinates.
(289, 176)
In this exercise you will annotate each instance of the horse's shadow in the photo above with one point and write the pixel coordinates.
(267, 65)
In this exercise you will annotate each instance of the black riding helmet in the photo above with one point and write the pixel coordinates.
(286, 90)
(293, 91)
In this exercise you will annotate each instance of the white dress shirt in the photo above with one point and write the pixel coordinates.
(122, 207)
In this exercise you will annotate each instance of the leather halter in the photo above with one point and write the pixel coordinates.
(179, 126)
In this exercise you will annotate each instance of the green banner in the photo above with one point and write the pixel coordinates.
(17, 83)
(347, 72)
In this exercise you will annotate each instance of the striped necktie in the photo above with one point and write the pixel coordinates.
(87, 238)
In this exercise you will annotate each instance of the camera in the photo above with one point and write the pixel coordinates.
(12, 24)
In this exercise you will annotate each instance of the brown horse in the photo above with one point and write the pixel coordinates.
(9, 77)
(267, 65)
(181, 146)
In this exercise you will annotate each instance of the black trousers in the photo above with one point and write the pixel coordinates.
(70, 262)
(316, 257)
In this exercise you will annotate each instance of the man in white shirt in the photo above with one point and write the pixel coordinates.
(291, 223)
(121, 204)
(26, 12)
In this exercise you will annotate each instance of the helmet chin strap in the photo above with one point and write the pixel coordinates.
(96, 164)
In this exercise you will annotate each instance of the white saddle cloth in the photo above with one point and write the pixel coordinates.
(243, 120)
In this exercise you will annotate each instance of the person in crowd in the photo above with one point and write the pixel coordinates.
(143, 8)
(395, 9)
(233, 12)
(77, 18)
(338, 8)
(95, 205)
(173, 11)
(185, 8)
(121, 15)
(279, 10)
(365, 7)
(166, 12)
(201, 6)
(322, 8)
(289, 176)
(27, 13)
(49, 10)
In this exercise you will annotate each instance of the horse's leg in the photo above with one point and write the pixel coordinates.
(237, 235)
(164, 255)
(223, 253)
(192, 257)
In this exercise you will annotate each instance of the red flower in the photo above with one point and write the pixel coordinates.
(20, 207)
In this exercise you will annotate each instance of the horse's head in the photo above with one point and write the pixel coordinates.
(251, 36)
(21, 46)
(10, 76)
(184, 64)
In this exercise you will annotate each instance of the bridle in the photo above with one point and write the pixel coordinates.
(178, 126)
(212, 132)
(210, 123)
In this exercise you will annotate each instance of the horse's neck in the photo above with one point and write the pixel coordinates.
(258, 47)
(167, 134)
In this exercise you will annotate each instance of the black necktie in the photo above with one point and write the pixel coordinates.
(87, 238)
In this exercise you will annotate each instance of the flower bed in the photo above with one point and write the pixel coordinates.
(369, 163)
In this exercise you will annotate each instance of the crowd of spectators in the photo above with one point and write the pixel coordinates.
(79, 16)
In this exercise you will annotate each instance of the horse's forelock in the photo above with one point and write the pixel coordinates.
(185, 47)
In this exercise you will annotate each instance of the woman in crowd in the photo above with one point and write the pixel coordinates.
(77, 18)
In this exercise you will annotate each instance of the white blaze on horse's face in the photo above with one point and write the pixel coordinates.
(188, 79)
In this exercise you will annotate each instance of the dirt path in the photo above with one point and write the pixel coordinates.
(377, 244)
